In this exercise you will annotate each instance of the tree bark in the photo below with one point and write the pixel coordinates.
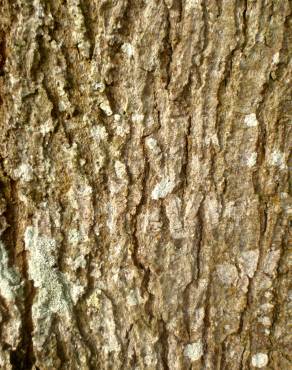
(145, 184)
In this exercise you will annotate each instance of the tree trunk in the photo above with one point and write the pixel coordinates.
(145, 199)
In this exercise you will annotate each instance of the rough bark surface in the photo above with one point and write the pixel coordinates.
(145, 200)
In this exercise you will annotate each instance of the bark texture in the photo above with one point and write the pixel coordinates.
(145, 199)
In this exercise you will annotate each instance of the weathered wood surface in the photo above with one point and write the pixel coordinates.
(145, 200)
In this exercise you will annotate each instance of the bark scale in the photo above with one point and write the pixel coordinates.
(145, 200)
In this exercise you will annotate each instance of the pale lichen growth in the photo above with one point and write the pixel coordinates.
(173, 212)
(266, 321)
(227, 273)
(79, 30)
(251, 159)
(96, 230)
(277, 159)
(260, 360)
(117, 117)
(120, 170)
(138, 118)
(11, 292)
(249, 261)
(46, 127)
(24, 172)
(9, 278)
(251, 120)
(76, 292)
(94, 299)
(110, 222)
(152, 145)
(77, 262)
(105, 107)
(134, 298)
(98, 86)
(46, 277)
(267, 307)
(121, 126)
(276, 58)
(74, 237)
(190, 4)
(163, 188)
(99, 133)
(212, 207)
(194, 351)
(53, 290)
(128, 49)
(271, 261)
(150, 359)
